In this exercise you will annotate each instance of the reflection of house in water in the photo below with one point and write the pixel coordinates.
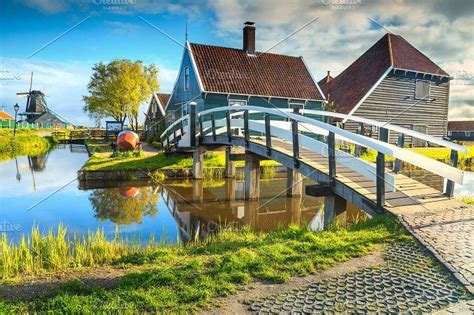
(200, 211)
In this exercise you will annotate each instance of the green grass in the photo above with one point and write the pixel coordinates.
(434, 153)
(466, 199)
(26, 142)
(184, 279)
(159, 161)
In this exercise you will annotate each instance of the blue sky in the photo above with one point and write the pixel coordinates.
(343, 31)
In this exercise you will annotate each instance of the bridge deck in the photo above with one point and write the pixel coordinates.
(445, 226)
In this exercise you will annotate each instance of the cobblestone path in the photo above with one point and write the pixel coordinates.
(410, 282)
(449, 234)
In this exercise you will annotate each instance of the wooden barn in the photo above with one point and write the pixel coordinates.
(392, 82)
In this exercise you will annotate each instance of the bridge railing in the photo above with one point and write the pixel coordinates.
(237, 117)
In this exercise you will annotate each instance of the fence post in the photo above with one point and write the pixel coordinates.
(229, 129)
(246, 128)
(201, 130)
(192, 123)
(450, 184)
(400, 143)
(331, 142)
(380, 171)
(268, 136)
(175, 139)
(213, 126)
(295, 131)
(360, 131)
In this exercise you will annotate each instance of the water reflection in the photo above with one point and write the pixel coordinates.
(124, 206)
(176, 211)
(200, 208)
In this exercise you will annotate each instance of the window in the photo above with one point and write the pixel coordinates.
(153, 109)
(422, 89)
(450, 133)
(468, 133)
(186, 78)
(237, 102)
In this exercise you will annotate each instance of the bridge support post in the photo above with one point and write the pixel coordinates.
(198, 163)
(252, 178)
(229, 171)
(450, 184)
(334, 205)
(294, 183)
(230, 189)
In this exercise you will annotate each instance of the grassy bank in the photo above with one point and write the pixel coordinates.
(103, 161)
(183, 279)
(26, 142)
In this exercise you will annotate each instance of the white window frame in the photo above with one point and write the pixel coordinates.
(186, 78)
(241, 102)
(450, 133)
(429, 89)
(467, 133)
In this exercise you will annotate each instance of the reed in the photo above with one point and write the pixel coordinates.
(58, 250)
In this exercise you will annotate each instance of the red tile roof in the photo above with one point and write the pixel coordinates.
(5, 116)
(163, 98)
(325, 80)
(461, 125)
(351, 85)
(229, 70)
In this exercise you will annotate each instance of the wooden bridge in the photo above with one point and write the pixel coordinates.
(308, 146)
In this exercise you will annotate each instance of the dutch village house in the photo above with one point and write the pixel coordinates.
(214, 76)
(392, 82)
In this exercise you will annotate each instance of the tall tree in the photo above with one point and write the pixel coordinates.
(118, 88)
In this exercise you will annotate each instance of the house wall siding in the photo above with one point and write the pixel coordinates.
(179, 95)
(393, 100)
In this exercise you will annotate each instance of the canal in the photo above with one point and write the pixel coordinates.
(43, 191)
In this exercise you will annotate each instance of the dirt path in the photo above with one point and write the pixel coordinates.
(108, 277)
(149, 150)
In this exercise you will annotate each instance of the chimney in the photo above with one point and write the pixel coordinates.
(249, 37)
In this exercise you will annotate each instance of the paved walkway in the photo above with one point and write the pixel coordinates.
(448, 232)
(410, 282)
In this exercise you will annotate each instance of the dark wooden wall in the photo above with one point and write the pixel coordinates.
(393, 98)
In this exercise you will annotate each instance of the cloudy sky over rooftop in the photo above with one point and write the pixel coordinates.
(60, 40)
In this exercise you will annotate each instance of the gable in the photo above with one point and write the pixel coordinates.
(179, 95)
(350, 88)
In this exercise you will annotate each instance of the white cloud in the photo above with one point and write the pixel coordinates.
(48, 6)
(442, 30)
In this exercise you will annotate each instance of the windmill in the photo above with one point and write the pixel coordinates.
(36, 107)
(31, 110)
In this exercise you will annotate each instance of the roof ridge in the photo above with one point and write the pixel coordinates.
(390, 51)
(257, 53)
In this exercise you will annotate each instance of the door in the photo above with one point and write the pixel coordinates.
(418, 142)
